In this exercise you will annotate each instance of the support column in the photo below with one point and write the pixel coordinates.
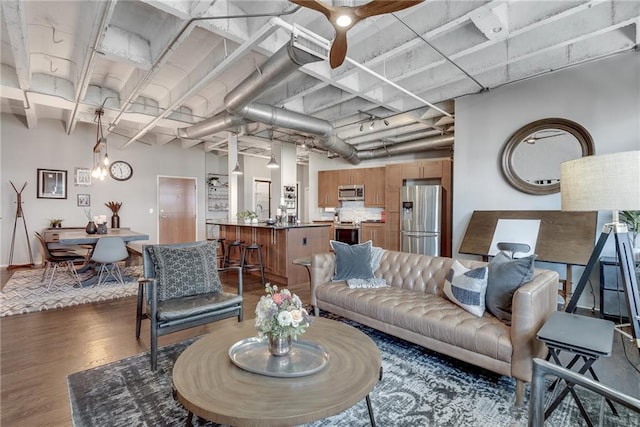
(235, 181)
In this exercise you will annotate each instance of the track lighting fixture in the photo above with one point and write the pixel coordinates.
(361, 127)
(386, 122)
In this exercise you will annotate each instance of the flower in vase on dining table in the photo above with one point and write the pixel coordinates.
(279, 313)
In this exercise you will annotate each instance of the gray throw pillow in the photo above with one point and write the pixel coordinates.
(506, 275)
(352, 261)
(186, 271)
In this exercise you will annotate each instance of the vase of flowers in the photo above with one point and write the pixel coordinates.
(280, 317)
(115, 218)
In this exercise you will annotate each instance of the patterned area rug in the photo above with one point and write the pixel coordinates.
(25, 293)
(419, 388)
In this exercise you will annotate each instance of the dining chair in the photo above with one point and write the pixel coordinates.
(109, 251)
(182, 289)
(513, 248)
(54, 260)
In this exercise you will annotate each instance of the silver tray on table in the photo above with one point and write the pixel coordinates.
(252, 354)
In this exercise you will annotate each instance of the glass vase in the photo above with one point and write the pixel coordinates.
(115, 220)
(279, 346)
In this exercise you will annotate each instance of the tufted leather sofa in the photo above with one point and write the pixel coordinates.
(415, 309)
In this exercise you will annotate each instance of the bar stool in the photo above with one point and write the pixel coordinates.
(220, 251)
(259, 266)
(237, 245)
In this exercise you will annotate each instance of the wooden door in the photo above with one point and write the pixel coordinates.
(177, 210)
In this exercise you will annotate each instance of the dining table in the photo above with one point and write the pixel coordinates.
(57, 238)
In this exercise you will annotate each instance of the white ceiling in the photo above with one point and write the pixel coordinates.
(156, 70)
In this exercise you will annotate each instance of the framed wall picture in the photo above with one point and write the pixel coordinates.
(84, 200)
(82, 177)
(52, 184)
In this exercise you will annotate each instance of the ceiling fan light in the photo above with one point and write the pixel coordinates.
(344, 21)
(272, 163)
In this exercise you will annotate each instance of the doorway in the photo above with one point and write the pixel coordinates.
(262, 197)
(177, 210)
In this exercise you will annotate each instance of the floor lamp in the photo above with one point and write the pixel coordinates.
(607, 182)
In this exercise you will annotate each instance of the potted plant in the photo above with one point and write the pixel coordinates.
(55, 223)
(632, 219)
(247, 216)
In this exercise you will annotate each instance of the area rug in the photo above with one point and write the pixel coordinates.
(418, 388)
(25, 293)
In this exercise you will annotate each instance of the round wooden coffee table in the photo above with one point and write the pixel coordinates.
(209, 385)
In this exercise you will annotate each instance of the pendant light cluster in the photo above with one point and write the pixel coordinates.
(100, 165)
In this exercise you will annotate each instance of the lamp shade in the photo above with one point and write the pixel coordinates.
(604, 182)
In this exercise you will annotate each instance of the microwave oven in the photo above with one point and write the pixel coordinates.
(351, 192)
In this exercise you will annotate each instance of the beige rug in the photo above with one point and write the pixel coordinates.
(25, 293)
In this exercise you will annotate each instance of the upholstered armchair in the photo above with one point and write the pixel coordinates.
(182, 289)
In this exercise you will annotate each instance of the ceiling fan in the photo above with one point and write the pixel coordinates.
(344, 17)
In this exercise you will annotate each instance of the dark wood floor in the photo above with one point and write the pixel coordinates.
(39, 350)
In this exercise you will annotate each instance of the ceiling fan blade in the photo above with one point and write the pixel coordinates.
(338, 49)
(380, 7)
(315, 5)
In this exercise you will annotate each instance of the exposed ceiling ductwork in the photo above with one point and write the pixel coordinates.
(239, 108)
(276, 69)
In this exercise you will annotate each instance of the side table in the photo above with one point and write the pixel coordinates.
(587, 338)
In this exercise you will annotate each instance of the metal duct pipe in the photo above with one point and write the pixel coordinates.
(271, 115)
(218, 123)
(274, 70)
(442, 141)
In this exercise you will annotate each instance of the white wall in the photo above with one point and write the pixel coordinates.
(48, 146)
(602, 96)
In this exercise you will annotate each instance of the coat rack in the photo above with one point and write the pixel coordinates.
(19, 214)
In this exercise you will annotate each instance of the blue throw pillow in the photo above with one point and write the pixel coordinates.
(352, 261)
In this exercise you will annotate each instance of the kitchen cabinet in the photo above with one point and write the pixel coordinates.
(374, 187)
(392, 182)
(351, 177)
(327, 189)
(423, 169)
(374, 232)
(392, 231)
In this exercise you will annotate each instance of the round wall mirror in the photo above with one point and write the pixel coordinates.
(531, 157)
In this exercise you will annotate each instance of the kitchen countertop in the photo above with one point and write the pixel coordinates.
(263, 225)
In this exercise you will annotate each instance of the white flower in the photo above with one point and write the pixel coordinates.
(284, 318)
(296, 318)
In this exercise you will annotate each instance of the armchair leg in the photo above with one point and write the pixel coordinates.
(154, 350)
(139, 309)
(519, 392)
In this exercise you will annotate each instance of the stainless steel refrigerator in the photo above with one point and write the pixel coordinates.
(420, 210)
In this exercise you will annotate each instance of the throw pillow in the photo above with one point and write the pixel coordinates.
(467, 287)
(352, 261)
(505, 276)
(185, 271)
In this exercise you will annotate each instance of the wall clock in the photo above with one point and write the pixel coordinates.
(120, 170)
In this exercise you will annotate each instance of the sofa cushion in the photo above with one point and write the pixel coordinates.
(467, 287)
(506, 275)
(186, 271)
(425, 314)
(352, 261)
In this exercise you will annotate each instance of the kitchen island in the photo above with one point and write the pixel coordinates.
(280, 244)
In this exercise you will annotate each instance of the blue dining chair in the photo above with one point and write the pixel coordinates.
(109, 251)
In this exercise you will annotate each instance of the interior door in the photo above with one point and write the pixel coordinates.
(177, 210)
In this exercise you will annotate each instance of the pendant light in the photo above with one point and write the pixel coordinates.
(273, 164)
(100, 166)
(236, 170)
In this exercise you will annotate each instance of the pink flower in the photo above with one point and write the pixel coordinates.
(277, 298)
